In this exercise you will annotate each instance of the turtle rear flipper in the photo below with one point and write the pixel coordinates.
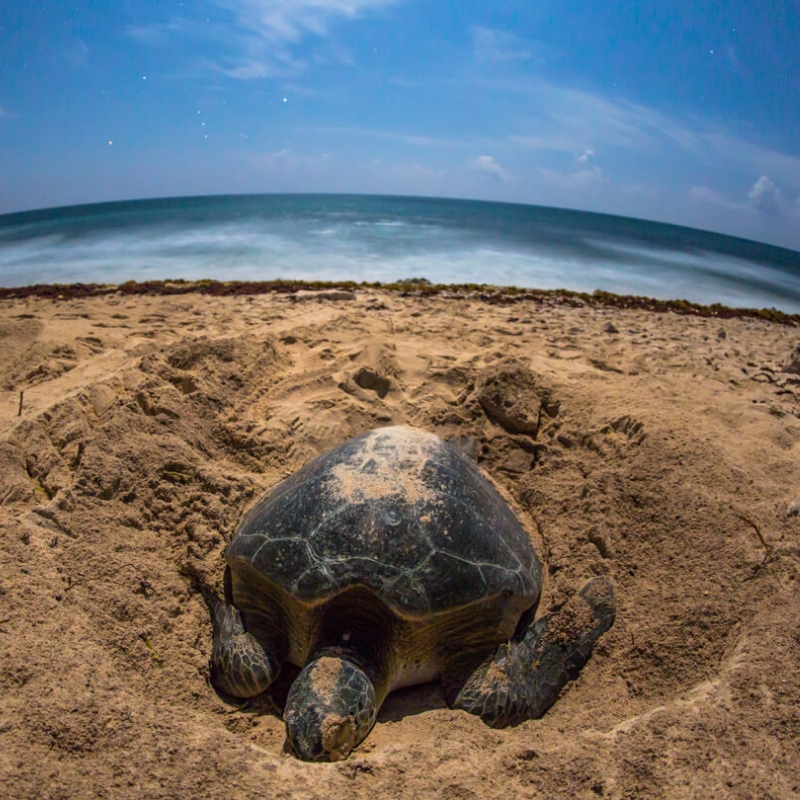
(524, 677)
(241, 665)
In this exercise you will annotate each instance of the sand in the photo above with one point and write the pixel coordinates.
(661, 450)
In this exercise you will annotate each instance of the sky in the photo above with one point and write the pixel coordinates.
(679, 111)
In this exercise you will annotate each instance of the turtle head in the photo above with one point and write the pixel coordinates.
(331, 707)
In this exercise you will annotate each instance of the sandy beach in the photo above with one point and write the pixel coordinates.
(135, 431)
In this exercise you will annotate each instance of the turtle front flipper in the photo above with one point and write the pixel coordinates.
(241, 665)
(524, 677)
(330, 709)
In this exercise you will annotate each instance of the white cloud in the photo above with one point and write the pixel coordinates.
(587, 173)
(765, 196)
(291, 20)
(488, 166)
(261, 36)
(250, 60)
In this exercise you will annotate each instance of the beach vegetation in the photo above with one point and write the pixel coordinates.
(502, 295)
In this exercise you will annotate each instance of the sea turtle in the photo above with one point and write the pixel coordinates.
(388, 561)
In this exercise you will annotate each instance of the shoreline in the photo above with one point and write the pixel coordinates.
(413, 287)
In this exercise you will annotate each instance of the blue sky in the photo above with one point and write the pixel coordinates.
(684, 112)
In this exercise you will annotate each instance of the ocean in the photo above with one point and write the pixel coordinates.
(381, 238)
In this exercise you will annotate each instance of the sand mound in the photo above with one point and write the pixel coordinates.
(657, 449)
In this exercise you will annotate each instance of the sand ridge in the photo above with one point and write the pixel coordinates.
(149, 426)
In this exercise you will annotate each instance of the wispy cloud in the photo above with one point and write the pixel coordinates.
(261, 38)
(493, 46)
(559, 142)
(569, 120)
(577, 119)
(411, 139)
(291, 20)
(752, 156)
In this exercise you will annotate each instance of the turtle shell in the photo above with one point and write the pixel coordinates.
(397, 511)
